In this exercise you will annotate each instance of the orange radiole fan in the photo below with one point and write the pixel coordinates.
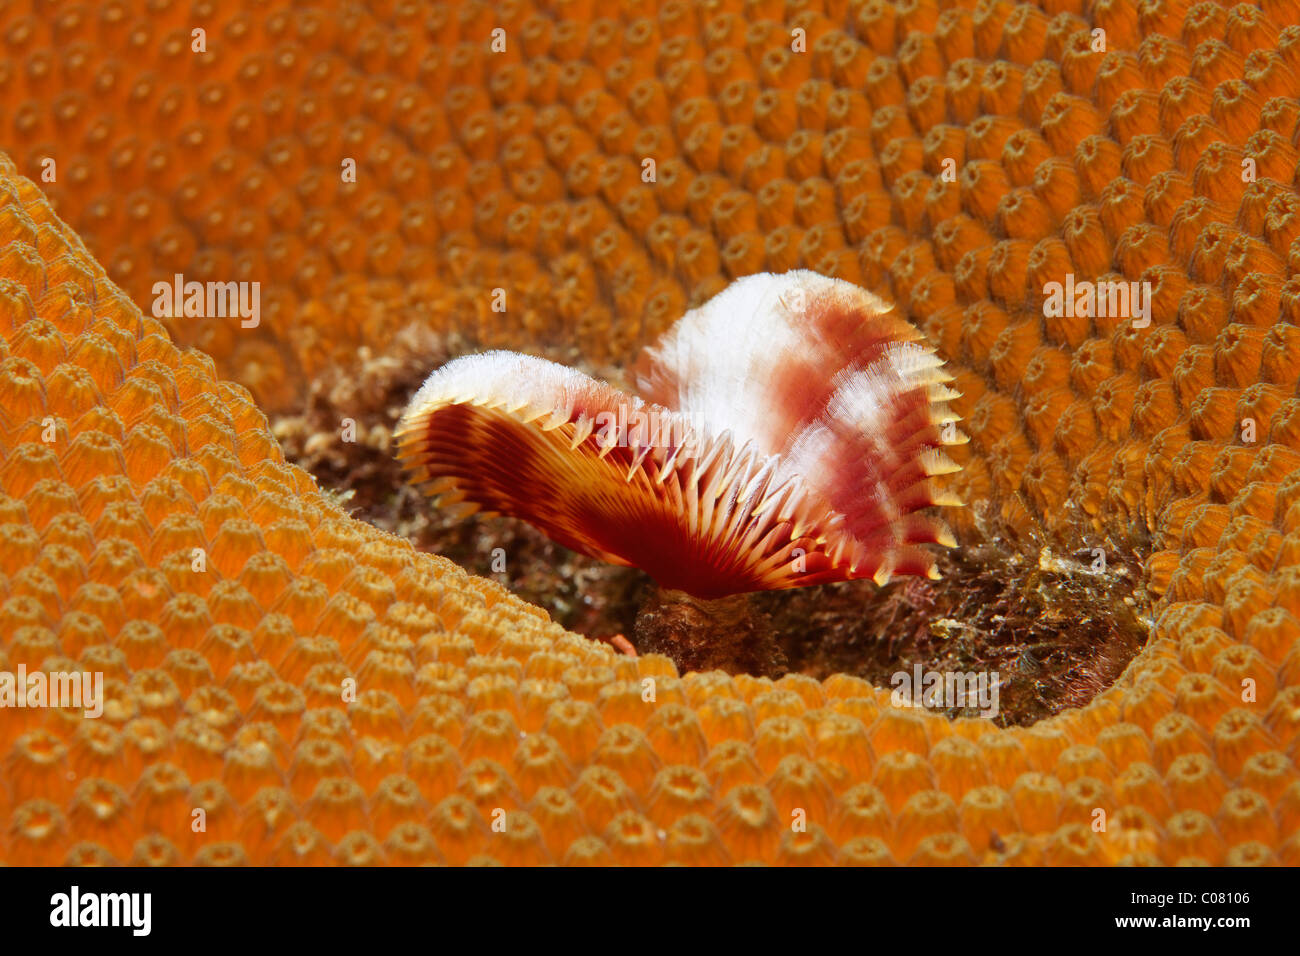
(785, 434)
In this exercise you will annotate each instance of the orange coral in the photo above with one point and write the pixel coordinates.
(480, 170)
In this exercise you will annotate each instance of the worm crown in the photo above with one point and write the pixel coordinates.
(786, 434)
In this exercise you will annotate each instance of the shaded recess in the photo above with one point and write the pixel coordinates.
(1056, 627)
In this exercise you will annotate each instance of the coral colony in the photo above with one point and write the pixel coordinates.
(232, 242)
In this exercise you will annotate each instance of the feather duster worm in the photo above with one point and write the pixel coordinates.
(785, 435)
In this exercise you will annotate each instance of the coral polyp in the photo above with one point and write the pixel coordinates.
(789, 433)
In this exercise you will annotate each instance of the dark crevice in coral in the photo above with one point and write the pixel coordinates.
(728, 634)
(1055, 629)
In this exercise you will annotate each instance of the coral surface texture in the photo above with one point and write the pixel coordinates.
(286, 684)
